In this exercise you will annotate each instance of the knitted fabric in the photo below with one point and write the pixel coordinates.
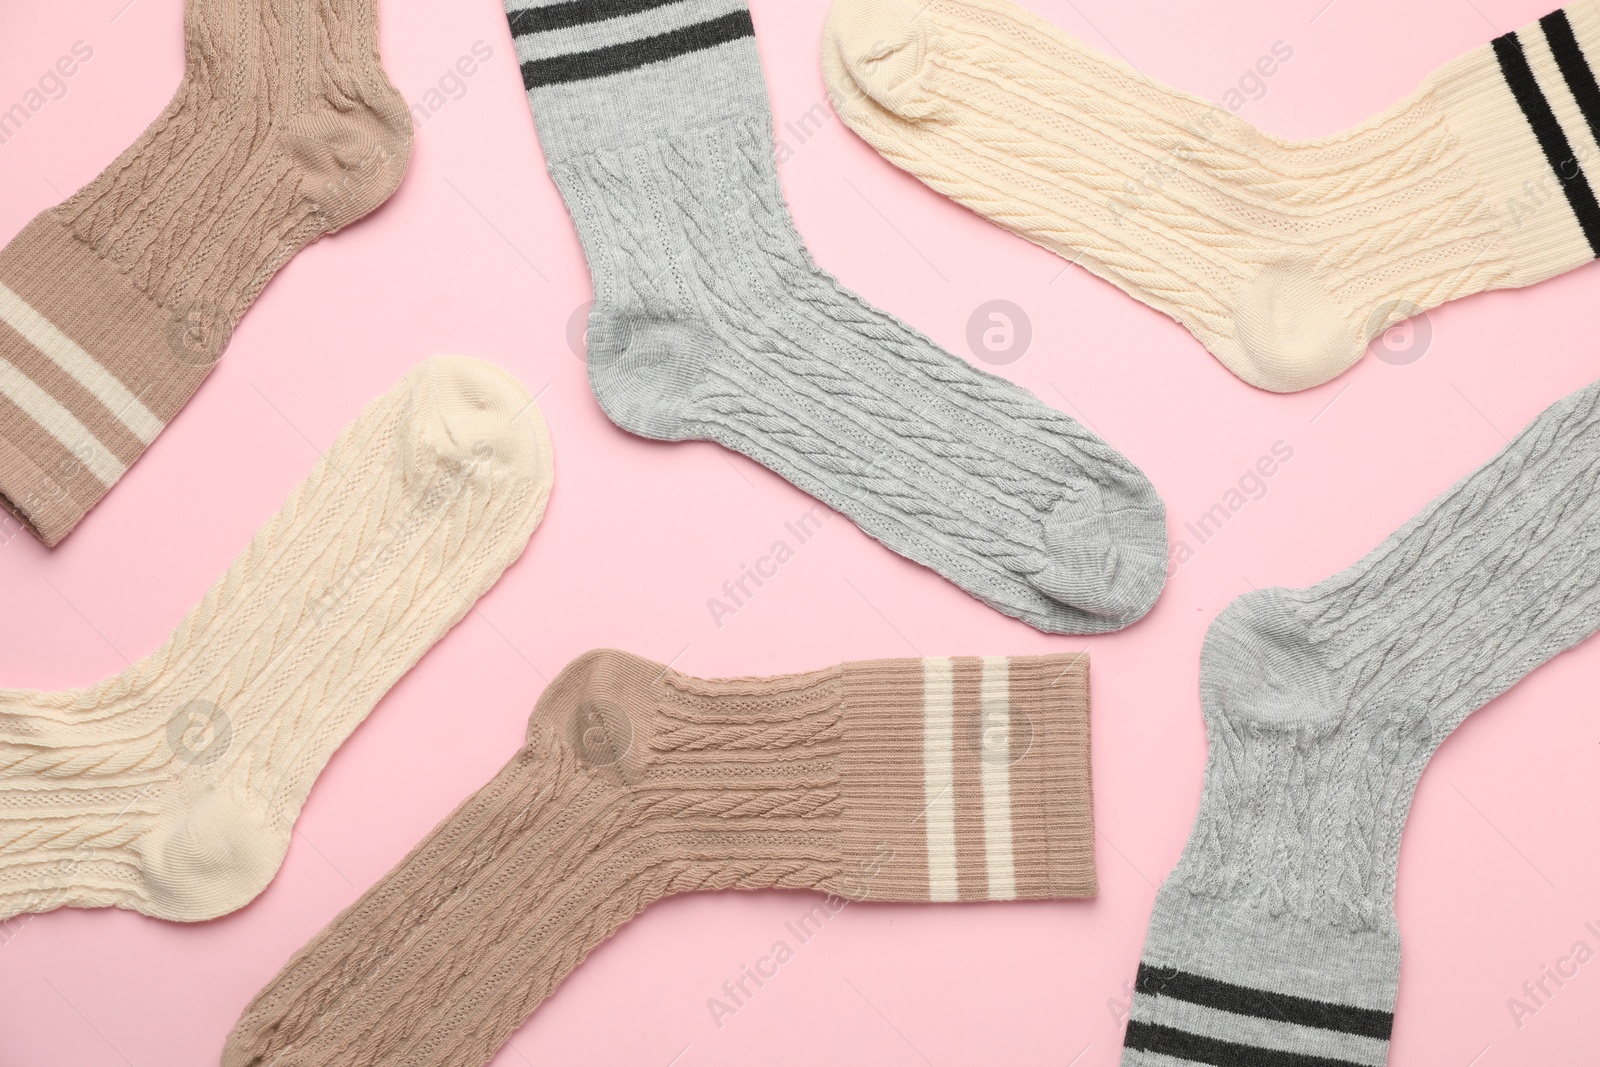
(1284, 258)
(712, 322)
(115, 305)
(907, 780)
(1276, 930)
(171, 788)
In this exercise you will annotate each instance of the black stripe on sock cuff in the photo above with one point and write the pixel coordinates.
(1261, 1004)
(576, 13)
(579, 66)
(1574, 66)
(1180, 1044)
(1536, 109)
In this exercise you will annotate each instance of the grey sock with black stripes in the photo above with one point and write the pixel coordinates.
(711, 322)
(1273, 942)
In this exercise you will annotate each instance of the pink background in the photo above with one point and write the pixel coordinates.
(475, 255)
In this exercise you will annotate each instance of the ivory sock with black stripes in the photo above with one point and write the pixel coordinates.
(171, 789)
(711, 322)
(1273, 942)
(897, 780)
(1284, 258)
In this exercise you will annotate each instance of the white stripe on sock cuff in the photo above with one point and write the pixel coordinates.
(1259, 1033)
(994, 706)
(61, 424)
(61, 350)
(616, 31)
(939, 776)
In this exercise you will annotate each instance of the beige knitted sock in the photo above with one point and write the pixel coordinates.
(116, 304)
(171, 788)
(906, 780)
(1283, 258)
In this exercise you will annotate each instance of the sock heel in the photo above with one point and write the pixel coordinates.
(591, 707)
(646, 371)
(1290, 335)
(212, 853)
(350, 162)
(1260, 664)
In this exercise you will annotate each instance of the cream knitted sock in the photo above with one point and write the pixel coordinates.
(115, 305)
(1283, 258)
(171, 788)
(908, 780)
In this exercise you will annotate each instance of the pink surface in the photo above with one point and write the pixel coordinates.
(475, 255)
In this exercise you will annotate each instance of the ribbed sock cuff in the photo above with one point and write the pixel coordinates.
(91, 370)
(1223, 982)
(967, 779)
(1527, 111)
(600, 81)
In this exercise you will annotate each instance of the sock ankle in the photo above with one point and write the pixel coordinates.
(1276, 930)
(172, 788)
(899, 780)
(712, 322)
(115, 305)
(1283, 258)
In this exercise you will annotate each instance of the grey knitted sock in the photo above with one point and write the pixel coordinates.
(711, 322)
(1274, 940)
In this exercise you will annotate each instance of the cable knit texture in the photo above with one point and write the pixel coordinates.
(712, 322)
(172, 788)
(115, 304)
(638, 782)
(1322, 708)
(1284, 258)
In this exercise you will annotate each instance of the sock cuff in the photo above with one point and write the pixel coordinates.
(1222, 982)
(967, 779)
(611, 75)
(1526, 108)
(91, 370)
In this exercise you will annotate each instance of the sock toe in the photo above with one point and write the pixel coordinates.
(465, 411)
(1091, 568)
(880, 45)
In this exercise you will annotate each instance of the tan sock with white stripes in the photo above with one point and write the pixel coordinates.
(900, 780)
(115, 305)
(1284, 258)
(171, 788)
